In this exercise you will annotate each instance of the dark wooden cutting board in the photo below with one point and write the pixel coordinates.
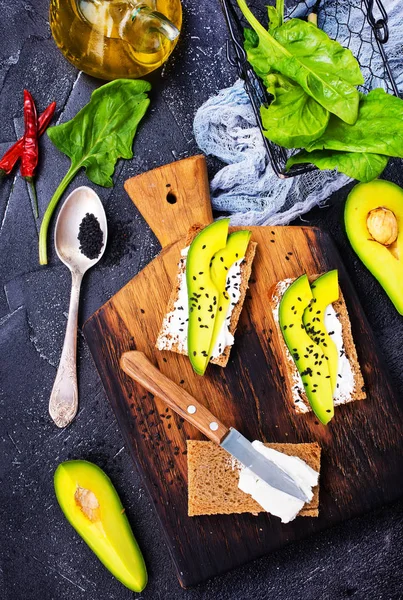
(361, 448)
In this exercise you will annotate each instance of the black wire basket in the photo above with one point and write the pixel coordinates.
(372, 33)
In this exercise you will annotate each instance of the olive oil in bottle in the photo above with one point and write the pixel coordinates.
(113, 39)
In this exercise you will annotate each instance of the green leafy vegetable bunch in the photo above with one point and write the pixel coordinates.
(316, 106)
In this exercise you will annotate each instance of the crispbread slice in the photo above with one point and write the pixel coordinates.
(213, 479)
(297, 392)
(164, 341)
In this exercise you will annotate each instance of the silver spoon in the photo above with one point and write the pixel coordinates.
(64, 397)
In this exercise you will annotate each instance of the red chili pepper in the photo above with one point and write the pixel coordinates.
(29, 159)
(10, 158)
(45, 118)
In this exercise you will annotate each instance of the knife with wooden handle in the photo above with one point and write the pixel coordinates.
(137, 366)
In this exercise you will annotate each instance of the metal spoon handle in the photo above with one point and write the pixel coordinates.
(63, 402)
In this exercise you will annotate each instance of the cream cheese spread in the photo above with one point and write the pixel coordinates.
(175, 326)
(345, 376)
(272, 500)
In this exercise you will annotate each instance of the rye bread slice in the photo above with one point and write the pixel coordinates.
(213, 478)
(297, 392)
(164, 340)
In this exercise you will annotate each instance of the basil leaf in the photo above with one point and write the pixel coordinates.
(96, 137)
(323, 68)
(378, 129)
(293, 119)
(362, 166)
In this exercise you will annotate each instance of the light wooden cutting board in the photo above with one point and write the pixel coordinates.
(361, 448)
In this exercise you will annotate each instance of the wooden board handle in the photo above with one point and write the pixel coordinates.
(137, 366)
(173, 197)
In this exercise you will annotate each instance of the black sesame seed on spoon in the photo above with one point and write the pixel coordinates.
(90, 236)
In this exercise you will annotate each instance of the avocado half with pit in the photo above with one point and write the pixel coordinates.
(374, 224)
(308, 356)
(91, 504)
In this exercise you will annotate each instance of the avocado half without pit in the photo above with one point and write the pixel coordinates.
(91, 504)
(374, 224)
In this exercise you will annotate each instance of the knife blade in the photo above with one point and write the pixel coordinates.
(137, 366)
(264, 468)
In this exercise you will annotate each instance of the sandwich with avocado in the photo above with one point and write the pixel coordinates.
(316, 344)
(206, 302)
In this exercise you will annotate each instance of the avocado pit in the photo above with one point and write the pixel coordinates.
(87, 501)
(382, 225)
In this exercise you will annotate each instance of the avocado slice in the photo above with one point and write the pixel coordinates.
(308, 356)
(373, 218)
(222, 261)
(91, 504)
(202, 293)
(325, 291)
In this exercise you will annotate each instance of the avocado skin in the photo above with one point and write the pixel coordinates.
(306, 354)
(202, 293)
(385, 264)
(110, 537)
(325, 291)
(235, 249)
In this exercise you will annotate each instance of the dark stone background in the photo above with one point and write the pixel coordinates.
(41, 557)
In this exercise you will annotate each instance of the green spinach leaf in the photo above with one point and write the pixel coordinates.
(323, 68)
(96, 137)
(256, 55)
(313, 47)
(378, 129)
(293, 119)
(276, 15)
(362, 166)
